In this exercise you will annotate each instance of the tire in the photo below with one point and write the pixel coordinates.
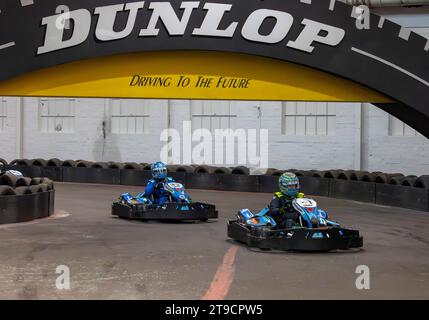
(397, 181)
(99, 165)
(69, 163)
(204, 169)
(186, 169)
(20, 191)
(172, 168)
(14, 162)
(345, 175)
(36, 181)
(270, 171)
(23, 182)
(204, 220)
(24, 162)
(7, 191)
(409, 181)
(318, 174)
(133, 166)
(115, 165)
(44, 187)
(84, 164)
(302, 173)
(369, 177)
(3, 162)
(357, 175)
(422, 182)
(36, 188)
(54, 162)
(222, 170)
(385, 177)
(332, 174)
(241, 170)
(8, 180)
(39, 162)
(48, 182)
(146, 166)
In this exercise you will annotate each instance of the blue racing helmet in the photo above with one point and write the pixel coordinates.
(159, 170)
(289, 184)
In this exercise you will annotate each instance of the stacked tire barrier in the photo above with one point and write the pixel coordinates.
(374, 187)
(25, 199)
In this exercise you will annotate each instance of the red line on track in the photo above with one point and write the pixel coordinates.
(221, 283)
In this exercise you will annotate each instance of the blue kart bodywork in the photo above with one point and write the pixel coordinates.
(179, 207)
(313, 232)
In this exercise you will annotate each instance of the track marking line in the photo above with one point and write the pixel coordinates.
(221, 283)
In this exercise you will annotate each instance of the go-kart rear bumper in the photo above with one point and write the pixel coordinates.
(296, 239)
(170, 211)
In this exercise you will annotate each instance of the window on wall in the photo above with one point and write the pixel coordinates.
(308, 119)
(57, 115)
(3, 113)
(397, 128)
(130, 116)
(212, 115)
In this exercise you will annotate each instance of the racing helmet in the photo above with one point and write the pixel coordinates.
(159, 170)
(289, 184)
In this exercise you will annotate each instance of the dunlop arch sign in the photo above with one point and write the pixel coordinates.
(308, 50)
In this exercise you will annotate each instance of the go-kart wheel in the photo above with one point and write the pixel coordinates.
(204, 220)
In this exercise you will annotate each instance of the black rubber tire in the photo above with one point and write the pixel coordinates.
(172, 168)
(302, 173)
(3, 162)
(48, 182)
(35, 188)
(20, 191)
(241, 170)
(84, 164)
(332, 174)
(345, 174)
(203, 169)
(204, 220)
(70, 163)
(36, 181)
(115, 165)
(186, 169)
(133, 166)
(318, 174)
(24, 162)
(278, 173)
(146, 166)
(7, 191)
(270, 171)
(222, 170)
(23, 182)
(54, 162)
(44, 187)
(386, 177)
(99, 165)
(397, 181)
(8, 180)
(369, 177)
(422, 182)
(409, 181)
(39, 162)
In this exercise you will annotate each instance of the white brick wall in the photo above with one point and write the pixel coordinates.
(381, 152)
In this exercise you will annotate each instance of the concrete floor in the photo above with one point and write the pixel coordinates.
(111, 258)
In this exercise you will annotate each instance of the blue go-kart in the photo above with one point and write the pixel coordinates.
(179, 207)
(314, 231)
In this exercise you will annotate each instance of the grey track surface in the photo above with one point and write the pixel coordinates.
(111, 258)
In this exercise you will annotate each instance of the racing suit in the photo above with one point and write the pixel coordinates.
(155, 191)
(282, 211)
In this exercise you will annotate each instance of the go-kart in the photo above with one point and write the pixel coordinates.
(313, 232)
(179, 207)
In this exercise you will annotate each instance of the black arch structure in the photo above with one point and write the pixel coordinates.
(384, 58)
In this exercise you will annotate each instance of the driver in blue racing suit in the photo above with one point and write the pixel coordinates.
(155, 187)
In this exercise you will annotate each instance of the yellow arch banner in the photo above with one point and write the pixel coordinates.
(188, 75)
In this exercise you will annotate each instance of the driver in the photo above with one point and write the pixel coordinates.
(155, 187)
(281, 208)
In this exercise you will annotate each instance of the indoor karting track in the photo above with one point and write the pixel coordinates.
(111, 258)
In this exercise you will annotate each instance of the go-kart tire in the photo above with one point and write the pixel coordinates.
(422, 182)
(99, 165)
(35, 181)
(70, 163)
(222, 170)
(115, 165)
(23, 182)
(39, 162)
(7, 191)
(241, 170)
(186, 169)
(54, 163)
(132, 166)
(20, 191)
(8, 180)
(84, 164)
